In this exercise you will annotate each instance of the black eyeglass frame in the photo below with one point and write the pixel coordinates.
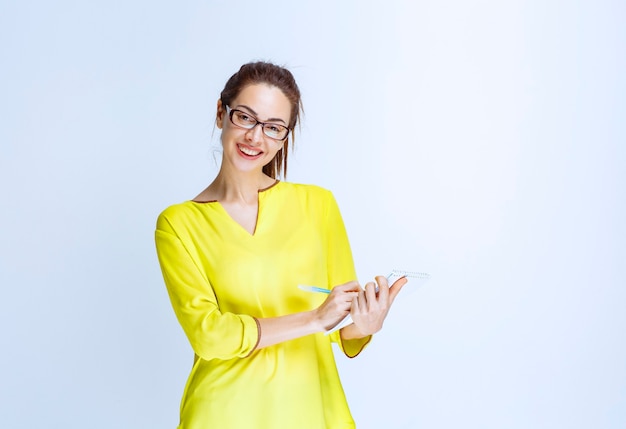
(230, 112)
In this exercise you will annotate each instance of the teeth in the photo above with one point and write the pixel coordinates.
(248, 151)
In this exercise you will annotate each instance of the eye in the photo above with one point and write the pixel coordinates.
(245, 118)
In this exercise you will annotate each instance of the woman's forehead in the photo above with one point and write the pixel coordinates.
(265, 101)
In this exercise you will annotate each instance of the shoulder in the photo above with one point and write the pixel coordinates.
(176, 214)
(309, 200)
(305, 191)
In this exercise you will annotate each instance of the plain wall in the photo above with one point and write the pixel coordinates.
(482, 142)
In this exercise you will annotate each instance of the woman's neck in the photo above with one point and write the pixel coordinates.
(236, 188)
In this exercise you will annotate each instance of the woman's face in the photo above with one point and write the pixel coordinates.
(251, 149)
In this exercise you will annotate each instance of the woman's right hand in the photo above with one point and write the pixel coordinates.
(337, 305)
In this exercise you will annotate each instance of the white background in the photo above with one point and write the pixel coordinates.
(480, 141)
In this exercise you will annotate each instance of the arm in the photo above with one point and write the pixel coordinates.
(278, 329)
(211, 332)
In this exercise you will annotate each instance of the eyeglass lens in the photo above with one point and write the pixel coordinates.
(247, 121)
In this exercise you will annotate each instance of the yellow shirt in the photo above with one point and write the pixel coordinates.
(220, 278)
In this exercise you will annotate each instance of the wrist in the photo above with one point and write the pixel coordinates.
(315, 321)
(352, 332)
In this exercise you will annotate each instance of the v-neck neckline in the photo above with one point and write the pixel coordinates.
(260, 193)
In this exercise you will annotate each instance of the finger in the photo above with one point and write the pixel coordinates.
(395, 288)
(352, 286)
(383, 287)
(345, 291)
(370, 294)
(356, 307)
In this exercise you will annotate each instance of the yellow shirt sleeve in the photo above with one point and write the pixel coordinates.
(211, 333)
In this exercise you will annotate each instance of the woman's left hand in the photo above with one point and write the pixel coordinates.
(370, 308)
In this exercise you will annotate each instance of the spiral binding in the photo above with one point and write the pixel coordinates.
(409, 274)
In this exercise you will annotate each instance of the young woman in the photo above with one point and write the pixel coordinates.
(232, 259)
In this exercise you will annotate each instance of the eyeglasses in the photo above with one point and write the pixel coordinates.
(248, 122)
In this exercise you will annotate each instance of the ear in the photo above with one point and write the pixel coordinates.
(221, 112)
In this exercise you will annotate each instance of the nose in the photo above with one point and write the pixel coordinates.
(255, 134)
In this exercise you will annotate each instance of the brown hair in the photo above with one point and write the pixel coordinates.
(281, 78)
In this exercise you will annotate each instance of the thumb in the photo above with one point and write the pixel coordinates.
(396, 287)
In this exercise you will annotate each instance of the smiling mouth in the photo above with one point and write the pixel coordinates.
(248, 151)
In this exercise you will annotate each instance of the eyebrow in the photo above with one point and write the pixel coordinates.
(256, 114)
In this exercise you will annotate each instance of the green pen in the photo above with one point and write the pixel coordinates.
(314, 289)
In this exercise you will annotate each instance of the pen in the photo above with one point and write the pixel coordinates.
(314, 289)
